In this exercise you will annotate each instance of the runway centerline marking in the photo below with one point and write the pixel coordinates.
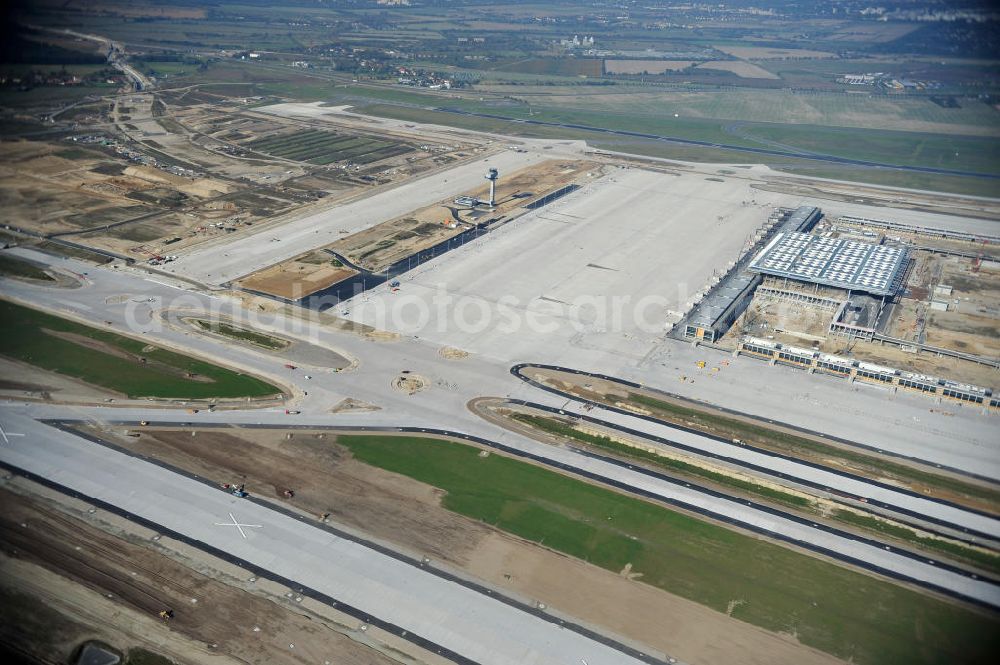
(238, 525)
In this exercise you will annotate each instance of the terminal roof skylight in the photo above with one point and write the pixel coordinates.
(836, 262)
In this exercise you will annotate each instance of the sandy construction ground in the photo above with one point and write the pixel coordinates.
(637, 241)
(299, 277)
(217, 265)
(386, 243)
(66, 581)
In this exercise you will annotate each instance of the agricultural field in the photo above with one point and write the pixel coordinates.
(324, 147)
(589, 67)
(773, 53)
(116, 362)
(645, 66)
(746, 70)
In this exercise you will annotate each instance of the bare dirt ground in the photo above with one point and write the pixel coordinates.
(398, 510)
(169, 171)
(410, 383)
(690, 632)
(972, 322)
(325, 480)
(388, 242)
(351, 405)
(65, 581)
(299, 277)
(804, 323)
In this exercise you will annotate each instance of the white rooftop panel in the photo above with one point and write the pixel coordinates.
(837, 262)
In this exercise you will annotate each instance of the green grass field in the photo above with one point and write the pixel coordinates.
(903, 148)
(785, 107)
(824, 605)
(109, 360)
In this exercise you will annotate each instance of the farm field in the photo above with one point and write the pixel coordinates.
(554, 66)
(651, 148)
(645, 66)
(743, 69)
(116, 362)
(831, 608)
(773, 53)
(891, 147)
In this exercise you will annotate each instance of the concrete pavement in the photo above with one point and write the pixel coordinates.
(442, 405)
(463, 620)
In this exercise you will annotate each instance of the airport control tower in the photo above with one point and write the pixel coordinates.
(492, 176)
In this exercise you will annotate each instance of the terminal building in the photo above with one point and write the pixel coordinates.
(855, 370)
(840, 263)
(809, 268)
(717, 311)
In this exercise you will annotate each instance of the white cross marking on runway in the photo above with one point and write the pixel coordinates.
(5, 434)
(239, 526)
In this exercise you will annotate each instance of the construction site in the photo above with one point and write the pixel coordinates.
(917, 309)
(397, 245)
(166, 173)
(380, 246)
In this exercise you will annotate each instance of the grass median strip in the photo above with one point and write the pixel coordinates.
(242, 334)
(559, 428)
(824, 605)
(115, 361)
(949, 548)
(988, 560)
(799, 446)
(14, 267)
